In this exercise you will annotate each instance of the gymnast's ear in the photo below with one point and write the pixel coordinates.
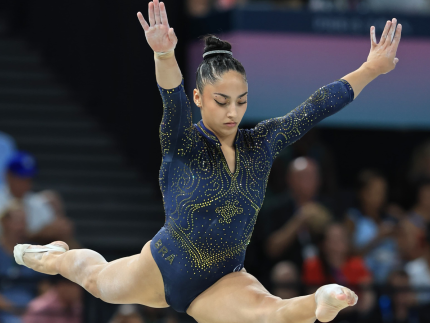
(197, 98)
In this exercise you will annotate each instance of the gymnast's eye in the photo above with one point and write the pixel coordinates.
(221, 104)
(241, 103)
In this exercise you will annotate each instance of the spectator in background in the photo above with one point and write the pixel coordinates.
(412, 233)
(43, 224)
(398, 304)
(420, 161)
(373, 230)
(336, 265)
(19, 283)
(7, 148)
(199, 8)
(285, 280)
(62, 303)
(309, 146)
(293, 223)
(419, 272)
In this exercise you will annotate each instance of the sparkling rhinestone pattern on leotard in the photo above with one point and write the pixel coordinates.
(210, 211)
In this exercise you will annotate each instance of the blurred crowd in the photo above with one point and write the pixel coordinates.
(200, 8)
(310, 233)
(39, 218)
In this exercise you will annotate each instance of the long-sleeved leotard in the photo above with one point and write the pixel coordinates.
(211, 212)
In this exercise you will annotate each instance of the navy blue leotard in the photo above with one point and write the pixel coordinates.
(211, 212)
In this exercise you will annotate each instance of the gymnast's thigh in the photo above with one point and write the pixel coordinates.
(236, 298)
(134, 279)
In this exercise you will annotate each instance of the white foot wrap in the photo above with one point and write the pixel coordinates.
(21, 249)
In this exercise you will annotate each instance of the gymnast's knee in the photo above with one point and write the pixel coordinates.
(91, 281)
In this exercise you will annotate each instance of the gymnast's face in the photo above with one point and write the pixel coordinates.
(222, 103)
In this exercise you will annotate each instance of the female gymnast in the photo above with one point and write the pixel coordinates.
(213, 179)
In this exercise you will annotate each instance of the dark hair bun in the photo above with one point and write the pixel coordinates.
(214, 43)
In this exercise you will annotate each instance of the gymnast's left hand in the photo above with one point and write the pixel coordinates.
(382, 57)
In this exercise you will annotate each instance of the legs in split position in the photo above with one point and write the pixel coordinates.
(235, 298)
(134, 279)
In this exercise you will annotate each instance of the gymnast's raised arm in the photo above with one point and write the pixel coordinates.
(278, 133)
(162, 40)
(177, 120)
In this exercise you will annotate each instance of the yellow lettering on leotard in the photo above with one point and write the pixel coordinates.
(170, 258)
(163, 251)
(158, 244)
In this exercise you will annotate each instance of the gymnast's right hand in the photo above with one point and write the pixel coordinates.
(160, 37)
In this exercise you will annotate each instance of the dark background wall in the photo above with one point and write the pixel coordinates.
(99, 48)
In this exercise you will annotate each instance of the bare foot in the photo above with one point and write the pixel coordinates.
(43, 261)
(331, 299)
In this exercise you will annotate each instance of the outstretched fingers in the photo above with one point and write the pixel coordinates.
(163, 14)
(391, 32)
(142, 21)
(397, 37)
(157, 12)
(385, 33)
(373, 37)
(151, 15)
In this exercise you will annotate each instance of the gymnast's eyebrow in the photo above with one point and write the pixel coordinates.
(227, 97)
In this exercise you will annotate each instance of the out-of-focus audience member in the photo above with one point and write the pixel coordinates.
(336, 264)
(285, 280)
(128, 314)
(199, 8)
(309, 146)
(420, 161)
(298, 217)
(19, 284)
(7, 148)
(43, 224)
(412, 231)
(373, 231)
(419, 272)
(397, 304)
(62, 303)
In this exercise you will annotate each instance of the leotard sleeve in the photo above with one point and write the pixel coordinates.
(176, 120)
(278, 133)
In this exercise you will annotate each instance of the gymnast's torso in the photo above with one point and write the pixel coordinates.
(210, 211)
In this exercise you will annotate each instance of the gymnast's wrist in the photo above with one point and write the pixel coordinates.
(164, 55)
(371, 69)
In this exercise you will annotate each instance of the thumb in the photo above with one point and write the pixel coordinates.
(172, 35)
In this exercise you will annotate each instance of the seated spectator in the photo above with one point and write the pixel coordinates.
(298, 217)
(43, 224)
(419, 272)
(335, 264)
(401, 306)
(420, 161)
(62, 303)
(199, 8)
(412, 233)
(373, 231)
(19, 284)
(285, 280)
(7, 148)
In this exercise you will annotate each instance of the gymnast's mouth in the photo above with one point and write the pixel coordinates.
(231, 123)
